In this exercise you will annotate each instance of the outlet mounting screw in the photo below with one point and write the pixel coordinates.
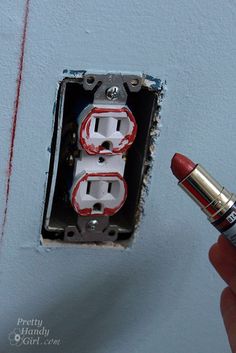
(112, 93)
(91, 225)
(70, 160)
(73, 138)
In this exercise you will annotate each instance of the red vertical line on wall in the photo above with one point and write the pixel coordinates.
(15, 114)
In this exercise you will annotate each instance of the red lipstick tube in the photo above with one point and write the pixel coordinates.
(215, 201)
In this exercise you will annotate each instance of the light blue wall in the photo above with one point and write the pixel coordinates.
(162, 295)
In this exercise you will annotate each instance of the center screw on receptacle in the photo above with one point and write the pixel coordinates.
(112, 93)
(91, 225)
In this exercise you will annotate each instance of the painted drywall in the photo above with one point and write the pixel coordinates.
(161, 295)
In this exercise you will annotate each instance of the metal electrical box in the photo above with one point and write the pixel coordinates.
(105, 126)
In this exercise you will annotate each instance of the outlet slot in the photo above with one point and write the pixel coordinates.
(96, 124)
(88, 187)
(118, 124)
(109, 188)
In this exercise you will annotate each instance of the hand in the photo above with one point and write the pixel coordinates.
(223, 257)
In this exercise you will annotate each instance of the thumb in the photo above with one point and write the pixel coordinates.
(228, 310)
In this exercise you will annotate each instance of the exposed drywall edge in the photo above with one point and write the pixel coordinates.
(161, 87)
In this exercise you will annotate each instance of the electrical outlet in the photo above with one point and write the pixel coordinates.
(105, 127)
(98, 194)
(98, 187)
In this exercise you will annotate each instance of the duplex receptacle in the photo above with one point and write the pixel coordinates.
(105, 126)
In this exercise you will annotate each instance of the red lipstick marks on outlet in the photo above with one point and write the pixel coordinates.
(15, 113)
(181, 166)
(124, 144)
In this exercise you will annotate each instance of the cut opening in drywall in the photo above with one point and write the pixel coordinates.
(60, 225)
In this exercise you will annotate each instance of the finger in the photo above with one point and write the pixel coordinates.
(227, 249)
(228, 311)
(226, 269)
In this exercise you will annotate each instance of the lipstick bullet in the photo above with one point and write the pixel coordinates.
(214, 200)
